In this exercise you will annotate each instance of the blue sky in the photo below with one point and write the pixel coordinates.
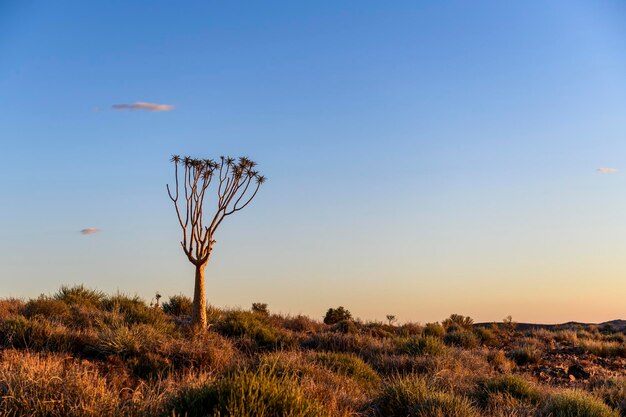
(424, 158)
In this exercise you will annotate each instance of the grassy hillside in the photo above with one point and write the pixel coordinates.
(84, 353)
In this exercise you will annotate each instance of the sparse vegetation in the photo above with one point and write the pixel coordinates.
(335, 315)
(577, 404)
(83, 353)
(178, 305)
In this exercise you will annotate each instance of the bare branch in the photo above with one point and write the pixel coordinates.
(235, 177)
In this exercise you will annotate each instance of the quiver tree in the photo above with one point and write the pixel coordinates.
(237, 184)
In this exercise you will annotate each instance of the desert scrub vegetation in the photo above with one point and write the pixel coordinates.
(604, 349)
(577, 404)
(244, 393)
(423, 345)
(52, 385)
(412, 396)
(80, 352)
(511, 385)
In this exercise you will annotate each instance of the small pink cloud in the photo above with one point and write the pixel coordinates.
(607, 170)
(140, 105)
(89, 231)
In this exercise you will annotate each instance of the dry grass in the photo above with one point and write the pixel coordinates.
(83, 353)
(53, 385)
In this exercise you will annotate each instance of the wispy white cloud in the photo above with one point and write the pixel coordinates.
(141, 105)
(607, 170)
(89, 231)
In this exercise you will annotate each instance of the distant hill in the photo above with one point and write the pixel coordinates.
(618, 324)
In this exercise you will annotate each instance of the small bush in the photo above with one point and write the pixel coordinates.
(434, 330)
(254, 326)
(350, 365)
(603, 349)
(247, 394)
(356, 343)
(459, 321)
(410, 329)
(377, 329)
(118, 340)
(615, 337)
(335, 315)
(512, 385)
(14, 331)
(462, 339)
(346, 327)
(300, 323)
(424, 345)
(585, 335)
(178, 305)
(569, 336)
(486, 337)
(525, 355)
(37, 334)
(47, 307)
(576, 404)
(11, 307)
(135, 311)
(79, 295)
(206, 351)
(499, 361)
(412, 397)
(260, 308)
(613, 392)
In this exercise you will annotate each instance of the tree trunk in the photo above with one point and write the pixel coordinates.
(199, 301)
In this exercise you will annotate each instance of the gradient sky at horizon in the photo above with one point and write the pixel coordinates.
(424, 158)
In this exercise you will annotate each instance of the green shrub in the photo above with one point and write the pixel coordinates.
(260, 308)
(423, 345)
(412, 397)
(335, 315)
(603, 349)
(461, 322)
(486, 337)
(350, 365)
(613, 392)
(36, 333)
(499, 361)
(525, 355)
(47, 307)
(14, 331)
(346, 327)
(615, 337)
(178, 305)
(566, 336)
(254, 326)
(410, 329)
(512, 385)
(378, 329)
(584, 334)
(118, 340)
(262, 393)
(434, 330)
(300, 323)
(576, 404)
(79, 295)
(213, 314)
(461, 338)
(135, 311)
